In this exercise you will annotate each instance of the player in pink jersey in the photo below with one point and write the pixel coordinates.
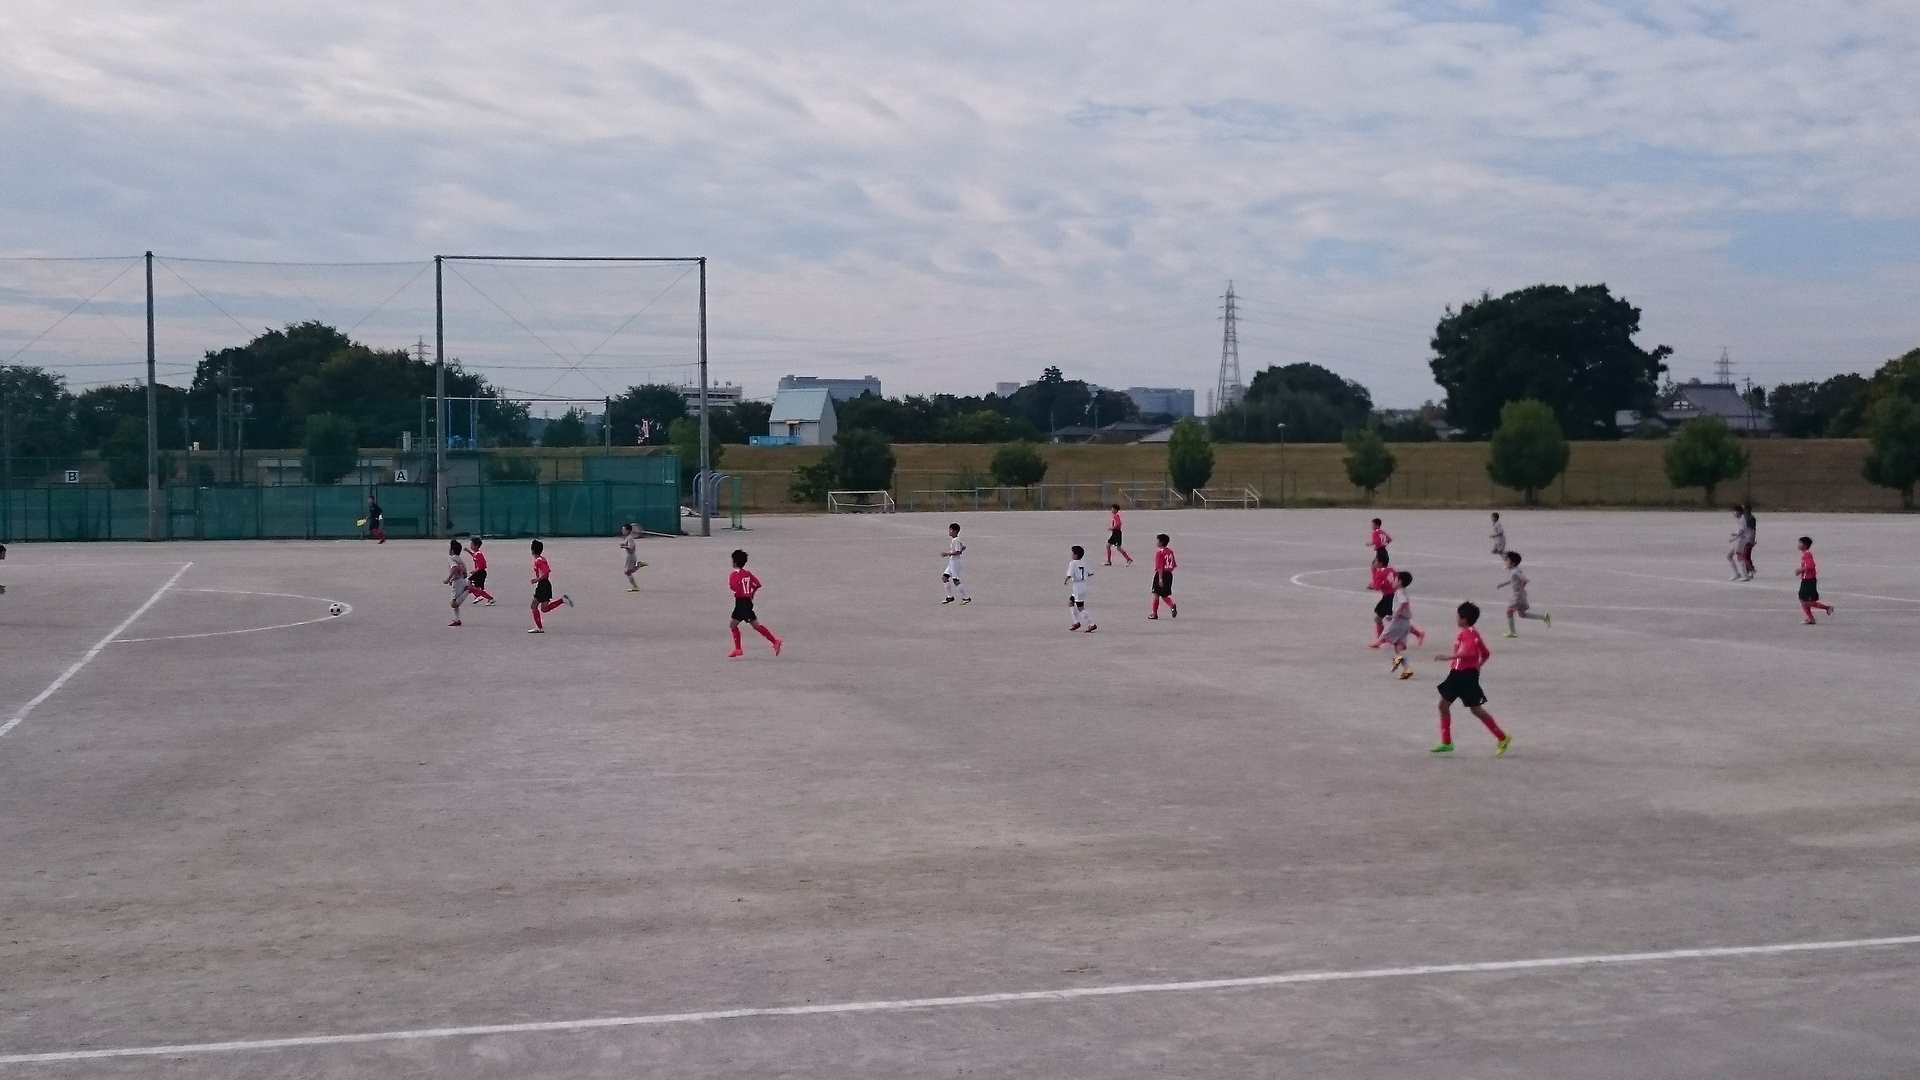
(1164, 564)
(744, 585)
(477, 581)
(1809, 576)
(543, 601)
(1377, 539)
(1463, 682)
(457, 578)
(1113, 538)
(1381, 579)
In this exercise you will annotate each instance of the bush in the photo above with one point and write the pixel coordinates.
(1189, 457)
(1893, 461)
(1528, 451)
(331, 449)
(811, 483)
(1018, 464)
(1369, 462)
(126, 453)
(861, 460)
(1704, 454)
(684, 435)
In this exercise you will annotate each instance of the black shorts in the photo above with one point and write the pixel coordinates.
(1384, 608)
(478, 580)
(1809, 590)
(1463, 685)
(543, 590)
(743, 610)
(1381, 554)
(1113, 538)
(1163, 584)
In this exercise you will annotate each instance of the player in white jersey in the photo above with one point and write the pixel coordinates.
(457, 578)
(1518, 605)
(629, 536)
(1078, 578)
(1499, 535)
(1397, 628)
(950, 577)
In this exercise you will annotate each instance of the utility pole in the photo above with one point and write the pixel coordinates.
(153, 421)
(439, 403)
(1229, 389)
(706, 512)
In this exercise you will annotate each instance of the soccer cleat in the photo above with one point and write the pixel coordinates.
(966, 600)
(1547, 619)
(1174, 610)
(1500, 748)
(1406, 672)
(1509, 634)
(455, 622)
(1091, 628)
(1810, 622)
(1155, 618)
(536, 630)
(1076, 626)
(1397, 661)
(1739, 577)
(633, 588)
(736, 654)
(948, 600)
(1374, 644)
(1442, 748)
(568, 599)
(776, 646)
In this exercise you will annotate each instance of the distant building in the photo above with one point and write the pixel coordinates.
(1162, 401)
(719, 395)
(1072, 434)
(1697, 399)
(841, 389)
(1123, 431)
(801, 418)
(1005, 389)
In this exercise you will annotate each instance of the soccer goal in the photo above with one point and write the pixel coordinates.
(859, 502)
(1243, 498)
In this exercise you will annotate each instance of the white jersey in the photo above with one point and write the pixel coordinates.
(1519, 582)
(1077, 578)
(627, 545)
(955, 549)
(1499, 536)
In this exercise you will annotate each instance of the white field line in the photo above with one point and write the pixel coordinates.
(56, 684)
(346, 610)
(1006, 998)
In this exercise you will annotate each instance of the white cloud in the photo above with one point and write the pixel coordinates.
(946, 195)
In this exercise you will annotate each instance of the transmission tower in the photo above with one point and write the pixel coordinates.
(1723, 368)
(1229, 390)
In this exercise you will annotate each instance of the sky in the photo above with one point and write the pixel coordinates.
(948, 196)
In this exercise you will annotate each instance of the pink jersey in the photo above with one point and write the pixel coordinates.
(1384, 579)
(1807, 569)
(743, 583)
(540, 568)
(1115, 523)
(1163, 560)
(1469, 650)
(479, 559)
(1378, 538)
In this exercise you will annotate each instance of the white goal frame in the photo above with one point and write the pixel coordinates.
(859, 502)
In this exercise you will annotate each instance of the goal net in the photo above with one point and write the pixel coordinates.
(859, 502)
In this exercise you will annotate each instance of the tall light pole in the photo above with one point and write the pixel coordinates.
(439, 403)
(153, 422)
(706, 457)
(1283, 463)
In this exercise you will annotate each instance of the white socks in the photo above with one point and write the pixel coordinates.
(961, 590)
(946, 586)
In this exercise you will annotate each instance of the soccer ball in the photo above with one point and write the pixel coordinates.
(336, 609)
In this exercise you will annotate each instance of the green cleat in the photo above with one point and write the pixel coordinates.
(1442, 748)
(1509, 634)
(1500, 748)
(1548, 619)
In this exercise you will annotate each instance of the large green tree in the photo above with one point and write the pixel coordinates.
(35, 415)
(1018, 464)
(1893, 457)
(1898, 377)
(657, 404)
(1529, 451)
(332, 449)
(1572, 348)
(1807, 410)
(1189, 457)
(1704, 453)
(1368, 462)
(1315, 404)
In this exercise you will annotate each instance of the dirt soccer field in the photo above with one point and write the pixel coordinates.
(242, 838)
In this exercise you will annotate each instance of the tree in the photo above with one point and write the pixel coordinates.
(1704, 453)
(1018, 464)
(331, 448)
(1315, 404)
(1528, 451)
(862, 461)
(567, 429)
(657, 404)
(34, 414)
(1189, 457)
(1369, 463)
(752, 418)
(1571, 348)
(1808, 410)
(1899, 377)
(125, 453)
(1893, 460)
(684, 434)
